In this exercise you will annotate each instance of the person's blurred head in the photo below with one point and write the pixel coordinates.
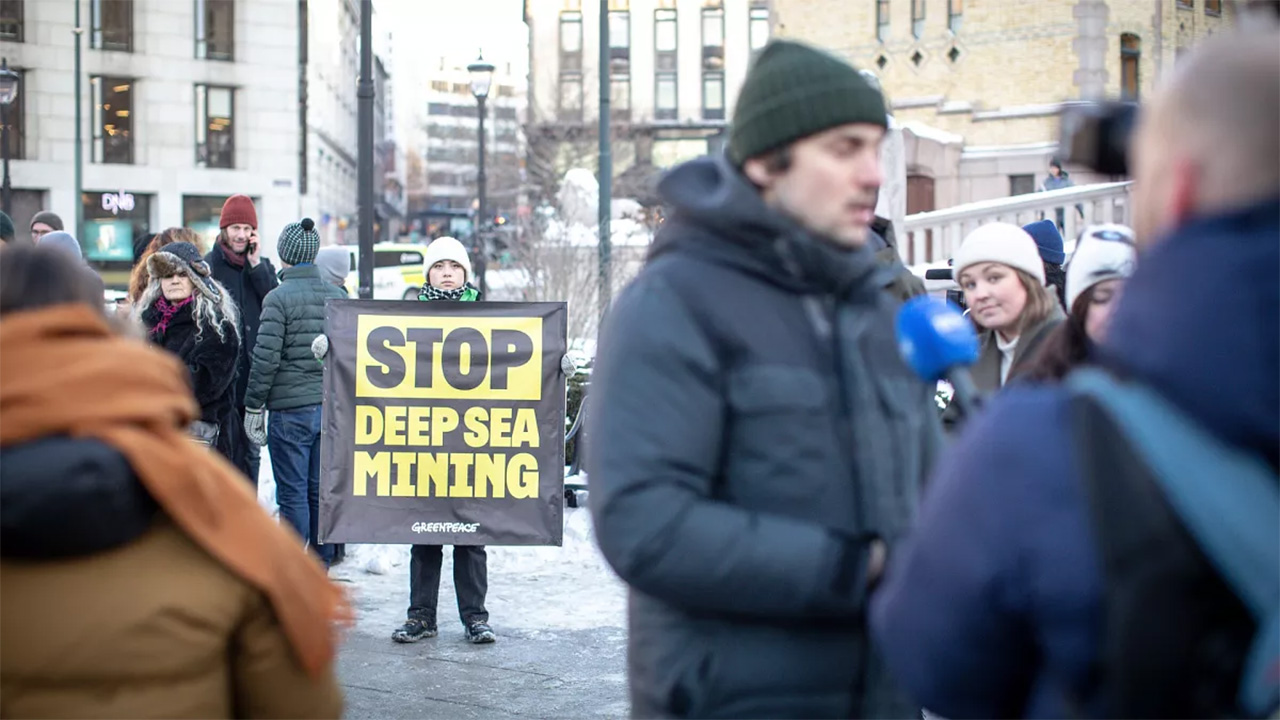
(37, 276)
(63, 242)
(1002, 276)
(807, 132)
(44, 223)
(1055, 167)
(1103, 260)
(1207, 142)
(7, 232)
(447, 264)
(335, 264)
(237, 222)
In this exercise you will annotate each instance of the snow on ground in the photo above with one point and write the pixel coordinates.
(531, 589)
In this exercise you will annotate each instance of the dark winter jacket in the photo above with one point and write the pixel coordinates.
(248, 287)
(108, 609)
(752, 424)
(285, 374)
(212, 362)
(903, 284)
(994, 609)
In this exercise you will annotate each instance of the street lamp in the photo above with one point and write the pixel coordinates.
(481, 79)
(8, 91)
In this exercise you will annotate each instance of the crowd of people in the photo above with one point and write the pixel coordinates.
(800, 536)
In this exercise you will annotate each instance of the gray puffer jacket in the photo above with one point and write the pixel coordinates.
(285, 374)
(753, 425)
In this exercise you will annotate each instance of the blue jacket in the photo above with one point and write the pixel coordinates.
(994, 606)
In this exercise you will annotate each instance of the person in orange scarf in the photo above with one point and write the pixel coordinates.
(138, 575)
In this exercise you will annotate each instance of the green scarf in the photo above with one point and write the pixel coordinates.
(466, 293)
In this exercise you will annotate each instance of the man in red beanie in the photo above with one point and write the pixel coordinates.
(238, 264)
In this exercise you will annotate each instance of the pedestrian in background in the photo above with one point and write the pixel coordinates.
(44, 223)
(1006, 601)
(236, 261)
(1058, 179)
(138, 575)
(140, 277)
(335, 265)
(1103, 260)
(448, 271)
(188, 313)
(757, 443)
(1049, 244)
(287, 380)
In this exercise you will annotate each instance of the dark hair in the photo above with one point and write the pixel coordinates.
(33, 277)
(1066, 347)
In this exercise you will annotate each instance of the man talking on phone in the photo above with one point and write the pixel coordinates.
(237, 263)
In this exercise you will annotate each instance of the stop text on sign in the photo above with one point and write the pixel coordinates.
(434, 357)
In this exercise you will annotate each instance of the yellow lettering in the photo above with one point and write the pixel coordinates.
(419, 423)
(368, 425)
(477, 434)
(394, 418)
(404, 474)
(376, 464)
(500, 427)
(461, 487)
(491, 472)
(433, 467)
(522, 476)
(444, 422)
(525, 432)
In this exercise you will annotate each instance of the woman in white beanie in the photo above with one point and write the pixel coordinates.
(1000, 271)
(1103, 260)
(447, 268)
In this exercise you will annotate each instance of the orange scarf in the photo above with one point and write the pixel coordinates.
(64, 373)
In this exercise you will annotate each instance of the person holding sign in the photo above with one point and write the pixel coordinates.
(448, 270)
(757, 443)
(287, 380)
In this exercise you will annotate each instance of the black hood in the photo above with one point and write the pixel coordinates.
(67, 497)
(716, 214)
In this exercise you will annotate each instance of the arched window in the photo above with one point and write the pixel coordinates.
(1130, 58)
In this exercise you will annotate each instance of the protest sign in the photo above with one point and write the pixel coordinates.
(443, 423)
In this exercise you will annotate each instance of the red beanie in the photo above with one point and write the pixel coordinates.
(238, 209)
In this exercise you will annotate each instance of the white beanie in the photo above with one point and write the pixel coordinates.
(445, 248)
(1105, 252)
(999, 243)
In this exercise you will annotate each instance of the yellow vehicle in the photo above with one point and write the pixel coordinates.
(397, 271)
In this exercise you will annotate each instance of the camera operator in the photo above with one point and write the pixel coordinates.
(1005, 601)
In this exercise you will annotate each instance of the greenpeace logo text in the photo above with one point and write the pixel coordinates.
(436, 527)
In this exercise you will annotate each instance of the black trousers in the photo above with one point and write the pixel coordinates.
(470, 577)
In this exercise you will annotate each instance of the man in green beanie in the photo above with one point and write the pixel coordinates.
(756, 444)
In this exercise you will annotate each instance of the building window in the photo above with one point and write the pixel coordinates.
(1213, 7)
(758, 30)
(620, 98)
(11, 20)
(917, 18)
(570, 41)
(620, 42)
(665, 107)
(1187, 4)
(713, 96)
(713, 38)
(111, 24)
(955, 14)
(215, 29)
(15, 118)
(112, 119)
(1022, 184)
(215, 127)
(1130, 57)
(882, 20)
(571, 97)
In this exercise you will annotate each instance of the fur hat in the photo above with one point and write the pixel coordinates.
(445, 248)
(999, 243)
(183, 257)
(1105, 252)
(238, 210)
(299, 243)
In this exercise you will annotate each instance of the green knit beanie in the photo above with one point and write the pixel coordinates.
(794, 91)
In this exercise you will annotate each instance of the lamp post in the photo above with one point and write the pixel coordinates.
(364, 153)
(8, 91)
(481, 79)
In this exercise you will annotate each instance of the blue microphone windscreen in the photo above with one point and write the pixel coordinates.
(934, 337)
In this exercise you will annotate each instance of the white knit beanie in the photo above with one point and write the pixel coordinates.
(1105, 252)
(445, 248)
(999, 243)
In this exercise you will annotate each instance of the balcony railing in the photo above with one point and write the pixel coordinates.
(933, 237)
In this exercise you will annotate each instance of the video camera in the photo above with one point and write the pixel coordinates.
(954, 295)
(1096, 135)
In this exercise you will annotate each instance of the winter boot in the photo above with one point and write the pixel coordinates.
(479, 632)
(414, 630)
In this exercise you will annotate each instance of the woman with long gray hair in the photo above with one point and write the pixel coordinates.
(188, 313)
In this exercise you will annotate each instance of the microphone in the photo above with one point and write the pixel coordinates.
(938, 343)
